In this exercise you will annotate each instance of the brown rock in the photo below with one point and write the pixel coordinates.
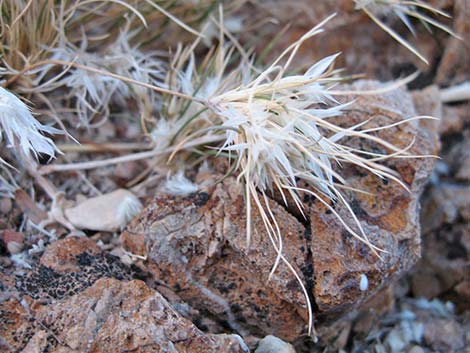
(61, 255)
(76, 311)
(374, 309)
(197, 245)
(15, 326)
(12, 240)
(335, 336)
(37, 343)
(134, 243)
(454, 118)
(69, 266)
(427, 102)
(444, 265)
(459, 157)
(377, 54)
(444, 335)
(463, 289)
(29, 207)
(389, 214)
(443, 270)
(445, 204)
(115, 316)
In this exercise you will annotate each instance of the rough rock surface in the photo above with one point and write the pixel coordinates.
(197, 245)
(115, 316)
(376, 54)
(443, 270)
(78, 299)
(389, 216)
(68, 267)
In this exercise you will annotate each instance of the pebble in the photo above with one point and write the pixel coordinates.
(272, 344)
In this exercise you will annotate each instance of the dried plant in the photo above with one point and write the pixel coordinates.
(404, 10)
(275, 131)
(93, 93)
(102, 34)
(22, 131)
(273, 125)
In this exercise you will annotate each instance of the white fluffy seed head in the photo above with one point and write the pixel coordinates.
(129, 207)
(93, 92)
(274, 129)
(22, 130)
(179, 185)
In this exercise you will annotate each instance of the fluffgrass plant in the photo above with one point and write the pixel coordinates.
(274, 128)
(277, 131)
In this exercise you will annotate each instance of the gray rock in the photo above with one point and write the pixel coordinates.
(272, 344)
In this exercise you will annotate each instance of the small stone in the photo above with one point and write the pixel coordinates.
(110, 212)
(396, 340)
(13, 241)
(133, 243)
(272, 344)
(444, 335)
(364, 283)
(127, 171)
(444, 204)
(453, 119)
(29, 207)
(5, 205)
(416, 349)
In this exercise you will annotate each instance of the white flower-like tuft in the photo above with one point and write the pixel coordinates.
(278, 131)
(22, 131)
(128, 208)
(179, 185)
(92, 91)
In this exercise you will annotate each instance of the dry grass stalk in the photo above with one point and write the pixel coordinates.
(404, 10)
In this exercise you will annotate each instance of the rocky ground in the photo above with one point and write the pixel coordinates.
(181, 278)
